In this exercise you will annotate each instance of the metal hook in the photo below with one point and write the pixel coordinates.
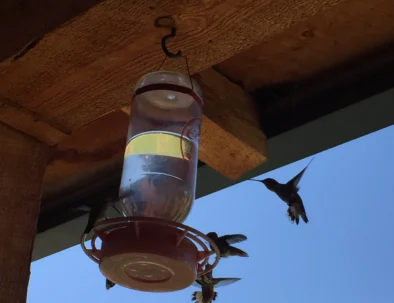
(165, 38)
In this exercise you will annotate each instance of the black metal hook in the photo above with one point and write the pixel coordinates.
(171, 35)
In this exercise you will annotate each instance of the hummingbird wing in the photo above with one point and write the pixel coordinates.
(236, 238)
(293, 183)
(197, 296)
(218, 282)
(299, 206)
(233, 251)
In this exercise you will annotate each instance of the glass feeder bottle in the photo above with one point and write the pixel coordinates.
(161, 156)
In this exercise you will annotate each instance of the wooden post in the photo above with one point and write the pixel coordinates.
(22, 167)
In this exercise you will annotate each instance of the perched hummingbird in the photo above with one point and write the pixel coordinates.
(289, 194)
(109, 284)
(208, 284)
(224, 244)
(97, 212)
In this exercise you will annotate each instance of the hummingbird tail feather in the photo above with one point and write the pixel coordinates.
(197, 296)
(293, 215)
(237, 252)
(289, 217)
(215, 294)
(304, 217)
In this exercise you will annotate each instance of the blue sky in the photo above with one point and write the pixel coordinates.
(344, 254)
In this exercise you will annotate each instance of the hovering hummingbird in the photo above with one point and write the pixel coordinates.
(224, 244)
(109, 284)
(289, 194)
(208, 284)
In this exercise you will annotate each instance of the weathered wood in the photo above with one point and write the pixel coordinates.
(327, 39)
(22, 166)
(86, 156)
(86, 68)
(30, 123)
(232, 109)
(24, 22)
(226, 153)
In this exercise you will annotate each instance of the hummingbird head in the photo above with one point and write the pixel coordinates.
(212, 235)
(270, 183)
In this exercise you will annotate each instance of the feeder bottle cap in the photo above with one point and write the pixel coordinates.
(169, 98)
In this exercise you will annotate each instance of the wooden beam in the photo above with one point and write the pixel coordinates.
(91, 154)
(226, 153)
(85, 68)
(232, 109)
(24, 22)
(22, 166)
(30, 123)
(325, 40)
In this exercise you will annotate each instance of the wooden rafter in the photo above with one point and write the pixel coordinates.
(85, 68)
(30, 122)
(24, 22)
(233, 109)
(88, 157)
(326, 40)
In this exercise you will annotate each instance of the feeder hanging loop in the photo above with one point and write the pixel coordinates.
(171, 25)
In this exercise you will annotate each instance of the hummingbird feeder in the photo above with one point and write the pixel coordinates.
(148, 248)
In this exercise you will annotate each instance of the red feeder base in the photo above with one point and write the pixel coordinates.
(150, 254)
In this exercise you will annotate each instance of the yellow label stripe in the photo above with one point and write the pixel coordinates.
(158, 143)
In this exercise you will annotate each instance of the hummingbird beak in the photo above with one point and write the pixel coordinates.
(254, 180)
